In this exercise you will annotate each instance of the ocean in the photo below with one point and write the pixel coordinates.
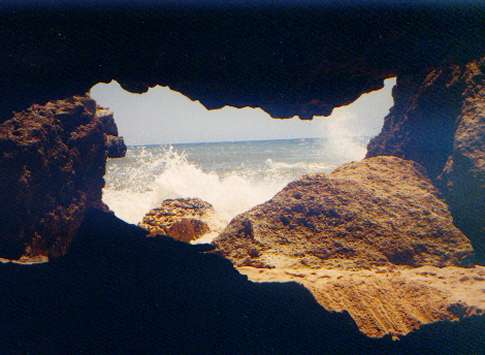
(232, 176)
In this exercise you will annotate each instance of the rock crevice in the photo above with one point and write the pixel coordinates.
(438, 120)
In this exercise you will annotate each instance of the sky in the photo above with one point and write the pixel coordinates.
(162, 116)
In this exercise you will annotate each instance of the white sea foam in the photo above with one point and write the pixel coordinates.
(301, 165)
(233, 177)
(170, 174)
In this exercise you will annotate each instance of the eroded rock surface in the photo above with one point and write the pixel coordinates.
(115, 145)
(184, 219)
(438, 120)
(373, 238)
(389, 300)
(52, 162)
(378, 211)
(181, 300)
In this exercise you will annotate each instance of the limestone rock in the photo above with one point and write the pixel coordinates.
(184, 219)
(379, 211)
(438, 120)
(389, 300)
(52, 162)
(463, 177)
(107, 121)
(371, 239)
(115, 146)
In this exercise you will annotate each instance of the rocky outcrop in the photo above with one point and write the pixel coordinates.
(182, 300)
(52, 162)
(378, 211)
(184, 219)
(115, 145)
(373, 238)
(438, 120)
(389, 300)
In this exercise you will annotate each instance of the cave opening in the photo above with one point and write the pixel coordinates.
(379, 247)
(233, 158)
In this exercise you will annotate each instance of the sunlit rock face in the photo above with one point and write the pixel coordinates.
(52, 162)
(379, 211)
(289, 61)
(372, 238)
(438, 120)
(183, 219)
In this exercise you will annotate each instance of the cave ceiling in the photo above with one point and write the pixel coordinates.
(290, 60)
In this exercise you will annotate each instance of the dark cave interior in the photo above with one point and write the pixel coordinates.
(116, 291)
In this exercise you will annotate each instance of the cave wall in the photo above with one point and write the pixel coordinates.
(463, 176)
(121, 291)
(52, 163)
(438, 120)
(288, 60)
(117, 292)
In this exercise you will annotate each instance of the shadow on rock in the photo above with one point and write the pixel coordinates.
(119, 292)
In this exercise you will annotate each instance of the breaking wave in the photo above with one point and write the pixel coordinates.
(232, 176)
(133, 190)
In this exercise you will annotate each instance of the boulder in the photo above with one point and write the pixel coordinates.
(379, 211)
(52, 162)
(184, 219)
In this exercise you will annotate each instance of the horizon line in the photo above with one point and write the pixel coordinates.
(233, 141)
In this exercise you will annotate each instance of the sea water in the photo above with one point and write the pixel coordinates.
(232, 176)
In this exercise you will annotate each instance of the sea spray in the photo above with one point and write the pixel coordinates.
(169, 174)
(233, 177)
